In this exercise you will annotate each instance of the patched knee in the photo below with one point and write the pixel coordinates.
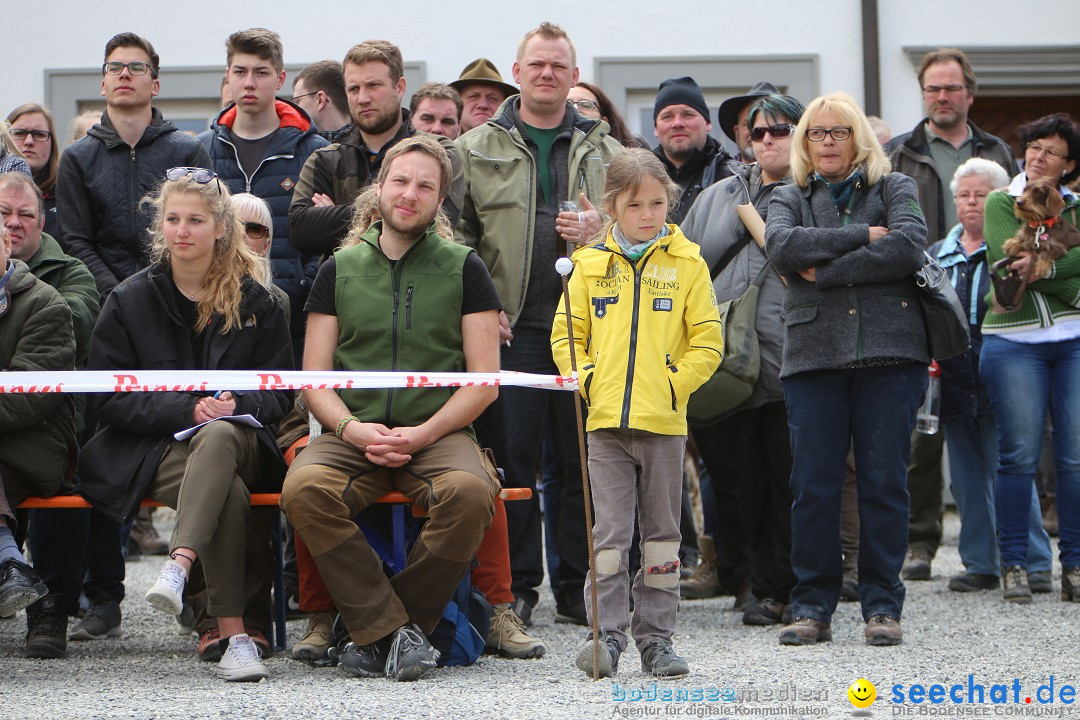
(302, 493)
(464, 489)
(660, 563)
(608, 561)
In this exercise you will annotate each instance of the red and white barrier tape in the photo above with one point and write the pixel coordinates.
(100, 381)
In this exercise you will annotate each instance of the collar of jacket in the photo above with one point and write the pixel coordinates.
(951, 253)
(860, 184)
(160, 277)
(509, 114)
(354, 138)
(916, 140)
(105, 131)
(698, 159)
(48, 251)
(371, 237)
(289, 115)
(674, 243)
(21, 278)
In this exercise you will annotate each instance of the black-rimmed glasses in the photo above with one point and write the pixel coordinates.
(115, 68)
(777, 131)
(839, 134)
(37, 135)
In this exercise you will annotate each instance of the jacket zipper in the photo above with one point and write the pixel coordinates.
(625, 421)
(408, 307)
(393, 335)
(247, 180)
(131, 193)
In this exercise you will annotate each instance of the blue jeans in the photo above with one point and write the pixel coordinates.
(873, 409)
(1023, 381)
(972, 448)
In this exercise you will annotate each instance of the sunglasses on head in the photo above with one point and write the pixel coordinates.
(199, 175)
(777, 131)
(256, 231)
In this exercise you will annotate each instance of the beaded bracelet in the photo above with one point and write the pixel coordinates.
(343, 422)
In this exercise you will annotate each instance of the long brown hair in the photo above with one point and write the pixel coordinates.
(46, 177)
(233, 260)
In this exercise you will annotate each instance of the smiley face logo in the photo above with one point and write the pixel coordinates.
(862, 693)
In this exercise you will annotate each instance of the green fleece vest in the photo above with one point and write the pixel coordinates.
(404, 316)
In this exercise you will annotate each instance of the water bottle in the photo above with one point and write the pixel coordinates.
(927, 420)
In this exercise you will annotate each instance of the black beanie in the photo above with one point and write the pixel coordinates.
(681, 91)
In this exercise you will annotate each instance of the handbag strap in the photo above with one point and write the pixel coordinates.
(728, 256)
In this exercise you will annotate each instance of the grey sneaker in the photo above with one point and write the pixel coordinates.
(411, 655)
(102, 621)
(659, 659)
(1017, 589)
(608, 661)
(367, 661)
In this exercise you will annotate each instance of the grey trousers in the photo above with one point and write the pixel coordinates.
(208, 481)
(636, 470)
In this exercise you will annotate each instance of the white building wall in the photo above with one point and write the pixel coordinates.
(447, 36)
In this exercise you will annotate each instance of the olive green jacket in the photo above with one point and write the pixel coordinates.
(497, 219)
(37, 429)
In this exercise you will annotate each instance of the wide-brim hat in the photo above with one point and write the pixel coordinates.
(729, 111)
(483, 71)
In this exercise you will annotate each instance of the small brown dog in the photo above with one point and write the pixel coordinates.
(1042, 231)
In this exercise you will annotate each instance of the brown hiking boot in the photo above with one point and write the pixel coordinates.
(1016, 585)
(883, 630)
(704, 583)
(916, 565)
(1070, 584)
(145, 535)
(805, 631)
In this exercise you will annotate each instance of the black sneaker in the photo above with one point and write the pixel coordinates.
(411, 655)
(46, 630)
(659, 659)
(764, 612)
(19, 587)
(367, 661)
(102, 621)
(607, 664)
(973, 582)
(571, 613)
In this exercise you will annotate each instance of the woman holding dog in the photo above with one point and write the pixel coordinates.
(848, 234)
(1030, 361)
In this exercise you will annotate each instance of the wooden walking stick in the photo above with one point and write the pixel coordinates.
(564, 266)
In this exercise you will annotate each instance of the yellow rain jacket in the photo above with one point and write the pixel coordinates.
(646, 334)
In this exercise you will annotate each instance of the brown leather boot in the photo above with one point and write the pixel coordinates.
(145, 535)
(704, 583)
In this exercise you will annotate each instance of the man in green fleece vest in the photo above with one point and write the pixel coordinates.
(399, 296)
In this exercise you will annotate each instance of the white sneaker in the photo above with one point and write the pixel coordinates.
(167, 594)
(240, 662)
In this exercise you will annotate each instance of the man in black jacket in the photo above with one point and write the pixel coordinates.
(105, 175)
(929, 155)
(259, 145)
(102, 179)
(693, 158)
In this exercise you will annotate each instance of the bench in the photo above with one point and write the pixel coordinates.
(399, 549)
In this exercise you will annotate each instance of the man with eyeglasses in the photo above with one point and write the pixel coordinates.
(102, 179)
(945, 138)
(930, 155)
(105, 175)
(320, 90)
(259, 145)
(693, 158)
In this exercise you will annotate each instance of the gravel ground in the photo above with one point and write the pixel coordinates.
(152, 671)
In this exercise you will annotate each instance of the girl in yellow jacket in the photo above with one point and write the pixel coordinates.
(646, 334)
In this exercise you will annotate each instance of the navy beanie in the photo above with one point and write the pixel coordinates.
(681, 91)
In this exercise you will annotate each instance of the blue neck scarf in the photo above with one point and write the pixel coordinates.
(634, 251)
(841, 191)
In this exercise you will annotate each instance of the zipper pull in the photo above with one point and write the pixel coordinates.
(408, 307)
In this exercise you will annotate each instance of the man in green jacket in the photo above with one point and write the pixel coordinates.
(22, 213)
(535, 152)
(37, 429)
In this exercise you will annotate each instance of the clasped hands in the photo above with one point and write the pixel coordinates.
(388, 447)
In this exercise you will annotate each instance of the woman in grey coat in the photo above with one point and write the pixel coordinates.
(847, 236)
(747, 453)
